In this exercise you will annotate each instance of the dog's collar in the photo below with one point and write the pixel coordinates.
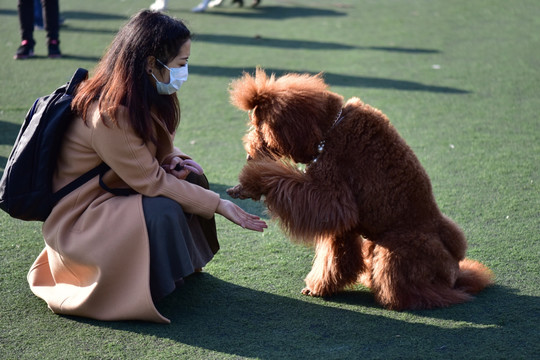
(320, 147)
(338, 118)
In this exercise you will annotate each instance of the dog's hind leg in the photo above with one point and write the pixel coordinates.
(368, 247)
(338, 262)
(414, 270)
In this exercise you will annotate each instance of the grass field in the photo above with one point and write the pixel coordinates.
(459, 79)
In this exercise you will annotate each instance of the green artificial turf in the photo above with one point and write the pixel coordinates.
(460, 81)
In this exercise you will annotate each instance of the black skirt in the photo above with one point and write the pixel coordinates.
(180, 242)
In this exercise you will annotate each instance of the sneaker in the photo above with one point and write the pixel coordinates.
(159, 5)
(215, 3)
(54, 49)
(201, 7)
(24, 51)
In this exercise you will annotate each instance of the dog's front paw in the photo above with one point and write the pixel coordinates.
(241, 192)
(236, 192)
(307, 291)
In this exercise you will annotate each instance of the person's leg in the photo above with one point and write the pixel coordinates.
(38, 15)
(26, 21)
(51, 12)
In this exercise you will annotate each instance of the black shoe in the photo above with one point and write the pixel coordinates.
(54, 49)
(240, 2)
(25, 51)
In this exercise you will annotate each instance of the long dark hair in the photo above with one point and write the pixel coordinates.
(120, 78)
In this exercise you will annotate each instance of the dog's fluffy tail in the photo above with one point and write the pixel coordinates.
(473, 276)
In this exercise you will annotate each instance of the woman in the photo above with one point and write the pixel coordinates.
(112, 257)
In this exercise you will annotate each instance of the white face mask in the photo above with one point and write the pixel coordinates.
(177, 77)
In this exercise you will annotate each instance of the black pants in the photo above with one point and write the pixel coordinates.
(51, 17)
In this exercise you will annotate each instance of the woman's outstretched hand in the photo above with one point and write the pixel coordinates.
(238, 216)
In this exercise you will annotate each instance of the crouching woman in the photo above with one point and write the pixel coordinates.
(112, 257)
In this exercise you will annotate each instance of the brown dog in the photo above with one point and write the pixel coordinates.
(364, 200)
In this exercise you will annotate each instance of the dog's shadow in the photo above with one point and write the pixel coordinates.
(468, 311)
(221, 316)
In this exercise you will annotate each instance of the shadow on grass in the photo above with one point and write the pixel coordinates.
(93, 30)
(10, 12)
(216, 315)
(65, 56)
(93, 15)
(271, 12)
(300, 44)
(79, 15)
(473, 311)
(8, 132)
(332, 79)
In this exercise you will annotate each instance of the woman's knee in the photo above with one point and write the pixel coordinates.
(160, 209)
(196, 179)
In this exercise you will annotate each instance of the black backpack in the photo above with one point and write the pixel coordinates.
(26, 185)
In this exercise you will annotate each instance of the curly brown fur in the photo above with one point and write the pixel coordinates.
(365, 202)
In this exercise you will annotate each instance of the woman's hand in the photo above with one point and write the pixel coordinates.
(182, 167)
(238, 216)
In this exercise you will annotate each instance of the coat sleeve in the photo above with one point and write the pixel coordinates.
(132, 160)
(176, 152)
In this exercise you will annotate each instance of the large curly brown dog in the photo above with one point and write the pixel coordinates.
(364, 200)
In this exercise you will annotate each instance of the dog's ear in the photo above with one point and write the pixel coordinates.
(249, 91)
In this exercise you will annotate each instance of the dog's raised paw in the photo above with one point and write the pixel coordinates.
(235, 192)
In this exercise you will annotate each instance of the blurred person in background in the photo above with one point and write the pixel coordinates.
(51, 17)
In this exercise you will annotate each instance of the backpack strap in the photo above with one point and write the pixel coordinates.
(115, 191)
(79, 75)
(84, 178)
(100, 170)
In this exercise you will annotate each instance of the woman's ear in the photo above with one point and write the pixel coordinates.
(150, 64)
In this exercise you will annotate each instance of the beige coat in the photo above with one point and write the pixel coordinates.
(96, 258)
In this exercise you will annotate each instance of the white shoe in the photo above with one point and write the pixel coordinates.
(215, 3)
(201, 7)
(159, 5)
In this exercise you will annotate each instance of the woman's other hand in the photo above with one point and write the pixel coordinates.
(238, 216)
(182, 167)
